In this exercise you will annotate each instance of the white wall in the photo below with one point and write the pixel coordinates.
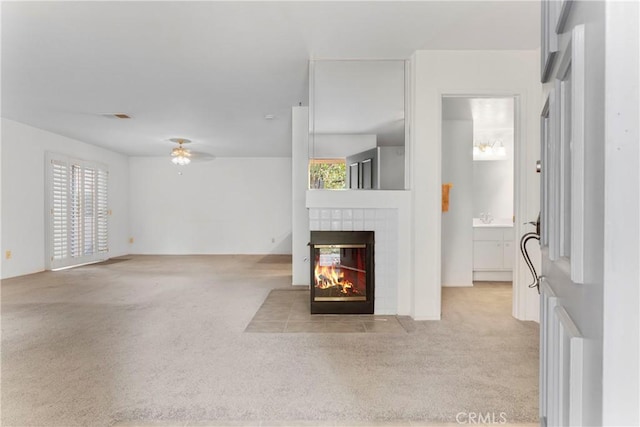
(391, 168)
(621, 343)
(224, 206)
(335, 146)
(457, 230)
(23, 194)
(300, 271)
(438, 73)
(493, 184)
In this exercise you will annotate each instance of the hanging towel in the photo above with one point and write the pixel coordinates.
(445, 196)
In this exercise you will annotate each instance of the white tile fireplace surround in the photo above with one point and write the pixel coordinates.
(385, 213)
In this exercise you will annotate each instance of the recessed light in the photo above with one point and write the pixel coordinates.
(269, 116)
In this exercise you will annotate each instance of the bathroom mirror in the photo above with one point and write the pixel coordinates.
(357, 124)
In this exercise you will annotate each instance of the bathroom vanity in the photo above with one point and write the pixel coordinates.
(493, 250)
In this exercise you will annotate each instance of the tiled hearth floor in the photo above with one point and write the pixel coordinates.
(287, 311)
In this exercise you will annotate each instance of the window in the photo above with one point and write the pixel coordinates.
(77, 198)
(327, 173)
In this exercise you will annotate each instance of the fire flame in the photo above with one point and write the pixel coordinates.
(329, 276)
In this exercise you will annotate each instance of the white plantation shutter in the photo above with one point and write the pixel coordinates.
(89, 211)
(102, 211)
(78, 199)
(75, 198)
(59, 210)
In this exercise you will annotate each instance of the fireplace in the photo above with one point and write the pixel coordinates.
(342, 279)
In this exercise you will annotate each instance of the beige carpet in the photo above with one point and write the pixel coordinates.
(160, 341)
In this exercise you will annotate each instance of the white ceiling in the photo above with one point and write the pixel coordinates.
(211, 71)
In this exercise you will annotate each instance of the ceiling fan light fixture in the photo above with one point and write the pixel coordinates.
(179, 155)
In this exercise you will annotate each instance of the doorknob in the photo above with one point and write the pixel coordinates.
(538, 166)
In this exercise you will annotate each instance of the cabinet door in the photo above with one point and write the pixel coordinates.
(487, 255)
(507, 262)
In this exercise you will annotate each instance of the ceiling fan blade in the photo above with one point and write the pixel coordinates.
(200, 156)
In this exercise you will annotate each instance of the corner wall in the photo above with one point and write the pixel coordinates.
(23, 194)
(457, 230)
(299, 185)
(621, 326)
(438, 73)
(223, 206)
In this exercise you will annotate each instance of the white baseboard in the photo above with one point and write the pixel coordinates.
(457, 285)
(493, 276)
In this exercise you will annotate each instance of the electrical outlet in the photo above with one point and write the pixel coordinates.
(7, 254)
(130, 239)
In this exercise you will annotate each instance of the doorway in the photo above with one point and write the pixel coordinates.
(478, 175)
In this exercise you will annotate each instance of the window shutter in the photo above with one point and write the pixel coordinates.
(102, 211)
(75, 234)
(88, 211)
(78, 199)
(59, 209)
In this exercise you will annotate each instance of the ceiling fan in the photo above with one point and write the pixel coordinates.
(182, 156)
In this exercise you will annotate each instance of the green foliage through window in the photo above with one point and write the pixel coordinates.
(330, 175)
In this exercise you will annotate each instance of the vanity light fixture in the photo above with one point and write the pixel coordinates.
(489, 150)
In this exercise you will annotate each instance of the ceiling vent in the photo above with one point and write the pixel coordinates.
(116, 115)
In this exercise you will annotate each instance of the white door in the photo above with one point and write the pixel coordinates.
(562, 374)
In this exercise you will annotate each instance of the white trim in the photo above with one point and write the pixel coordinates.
(548, 301)
(519, 302)
(577, 153)
(571, 369)
(408, 96)
(563, 7)
(549, 42)
(572, 61)
(549, 193)
(545, 123)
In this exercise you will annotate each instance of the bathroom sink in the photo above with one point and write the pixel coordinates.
(495, 222)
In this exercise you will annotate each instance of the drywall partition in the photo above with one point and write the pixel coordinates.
(621, 329)
(391, 168)
(336, 146)
(438, 73)
(457, 230)
(23, 194)
(300, 184)
(223, 206)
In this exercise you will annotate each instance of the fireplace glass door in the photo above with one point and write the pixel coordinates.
(340, 273)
